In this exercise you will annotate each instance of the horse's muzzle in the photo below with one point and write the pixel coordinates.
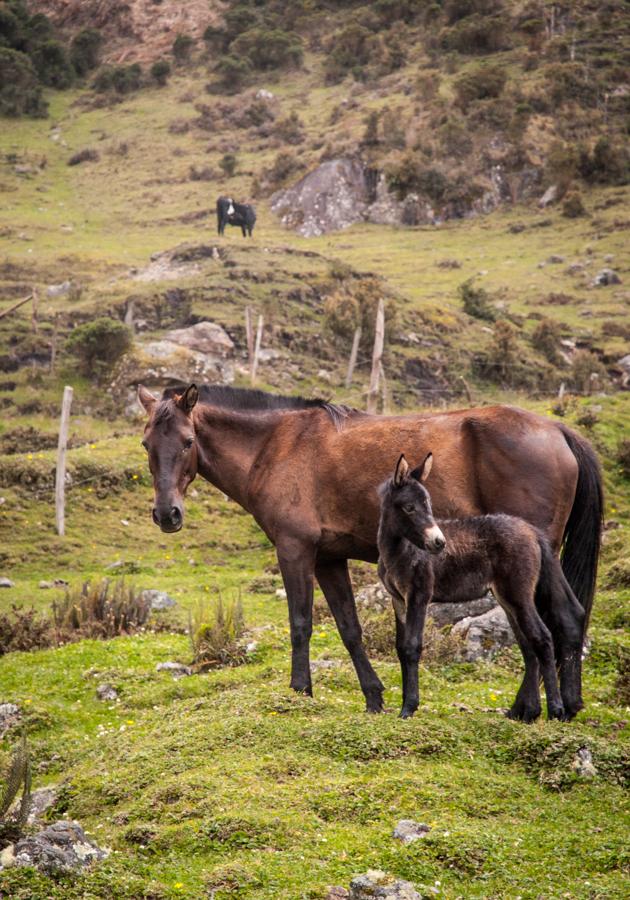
(435, 540)
(169, 521)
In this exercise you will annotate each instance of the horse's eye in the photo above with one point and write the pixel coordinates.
(188, 444)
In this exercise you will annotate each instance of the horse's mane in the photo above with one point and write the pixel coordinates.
(253, 400)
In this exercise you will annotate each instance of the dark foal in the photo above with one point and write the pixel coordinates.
(459, 559)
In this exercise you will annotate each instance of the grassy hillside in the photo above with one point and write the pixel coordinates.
(224, 784)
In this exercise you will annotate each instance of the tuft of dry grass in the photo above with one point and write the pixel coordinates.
(215, 633)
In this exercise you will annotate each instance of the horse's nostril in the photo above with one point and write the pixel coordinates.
(176, 515)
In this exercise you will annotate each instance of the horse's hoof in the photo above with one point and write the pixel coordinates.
(523, 714)
(307, 690)
(557, 712)
(406, 713)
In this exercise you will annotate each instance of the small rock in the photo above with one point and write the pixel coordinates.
(374, 596)
(6, 583)
(58, 290)
(583, 763)
(158, 599)
(409, 831)
(177, 670)
(606, 277)
(377, 884)
(125, 522)
(45, 585)
(555, 260)
(281, 594)
(484, 635)
(251, 647)
(264, 94)
(451, 613)
(318, 664)
(10, 715)
(337, 893)
(61, 847)
(106, 692)
(550, 196)
(41, 800)
(324, 375)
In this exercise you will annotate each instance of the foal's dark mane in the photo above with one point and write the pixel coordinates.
(252, 400)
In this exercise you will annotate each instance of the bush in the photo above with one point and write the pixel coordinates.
(609, 163)
(454, 10)
(160, 70)
(623, 456)
(561, 165)
(477, 35)
(24, 629)
(98, 345)
(215, 635)
(52, 64)
(370, 135)
(98, 612)
(269, 48)
(476, 301)
(290, 130)
(349, 50)
(284, 166)
(485, 82)
(233, 72)
(84, 50)
(410, 173)
(354, 305)
(546, 338)
(182, 48)
(20, 91)
(570, 82)
(82, 156)
(227, 164)
(586, 370)
(121, 79)
(573, 207)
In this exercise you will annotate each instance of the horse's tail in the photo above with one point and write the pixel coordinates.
(583, 532)
(555, 600)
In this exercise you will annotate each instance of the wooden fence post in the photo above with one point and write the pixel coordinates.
(259, 332)
(53, 343)
(6, 312)
(467, 390)
(353, 356)
(377, 353)
(249, 334)
(385, 391)
(60, 478)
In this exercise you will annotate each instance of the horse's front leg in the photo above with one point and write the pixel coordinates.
(335, 582)
(410, 649)
(297, 565)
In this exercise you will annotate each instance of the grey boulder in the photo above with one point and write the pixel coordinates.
(61, 847)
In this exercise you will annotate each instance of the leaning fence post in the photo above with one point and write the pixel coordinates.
(60, 478)
(259, 331)
(353, 356)
(384, 391)
(377, 353)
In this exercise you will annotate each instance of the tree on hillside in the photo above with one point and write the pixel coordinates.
(20, 91)
(84, 50)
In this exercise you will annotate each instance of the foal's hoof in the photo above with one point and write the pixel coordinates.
(406, 713)
(557, 712)
(306, 689)
(374, 704)
(521, 713)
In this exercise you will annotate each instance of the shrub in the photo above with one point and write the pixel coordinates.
(410, 173)
(52, 64)
(571, 81)
(284, 166)
(215, 635)
(546, 338)
(370, 135)
(23, 629)
(348, 51)
(227, 164)
(484, 82)
(160, 70)
(20, 91)
(269, 48)
(121, 79)
(84, 50)
(454, 10)
(478, 35)
(586, 369)
(233, 72)
(573, 207)
(101, 611)
(561, 164)
(476, 301)
(98, 345)
(609, 163)
(182, 48)
(86, 155)
(354, 305)
(291, 129)
(18, 775)
(623, 456)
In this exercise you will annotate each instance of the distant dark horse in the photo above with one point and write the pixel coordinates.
(451, 560)
(308, 471)
(231, 213)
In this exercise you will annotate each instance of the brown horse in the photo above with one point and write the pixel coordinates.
(422, 560)
(308, 471)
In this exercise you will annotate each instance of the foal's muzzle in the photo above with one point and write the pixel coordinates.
(168, 520)
(435, 540)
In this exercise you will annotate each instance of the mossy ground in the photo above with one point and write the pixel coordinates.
(226, 781)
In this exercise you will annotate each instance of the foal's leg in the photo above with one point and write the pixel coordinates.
(335, 582)
(297, 564)
(539, 639)
(411, 649)
(526, 706)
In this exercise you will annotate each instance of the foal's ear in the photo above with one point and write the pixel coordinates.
(401, 471)
(188, 399)
(146, 399)
(421, 473)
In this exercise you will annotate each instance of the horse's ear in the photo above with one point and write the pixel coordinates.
(421, 473)
(188, 399)
(146, 399)
(401, 471)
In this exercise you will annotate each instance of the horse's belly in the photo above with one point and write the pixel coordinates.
(469, 586)
(340, 545)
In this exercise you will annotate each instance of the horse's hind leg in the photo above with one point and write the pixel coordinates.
(335, 582)
(567, 625)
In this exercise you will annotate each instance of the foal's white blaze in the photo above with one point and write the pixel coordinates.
(230, 211)
(434, 535)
